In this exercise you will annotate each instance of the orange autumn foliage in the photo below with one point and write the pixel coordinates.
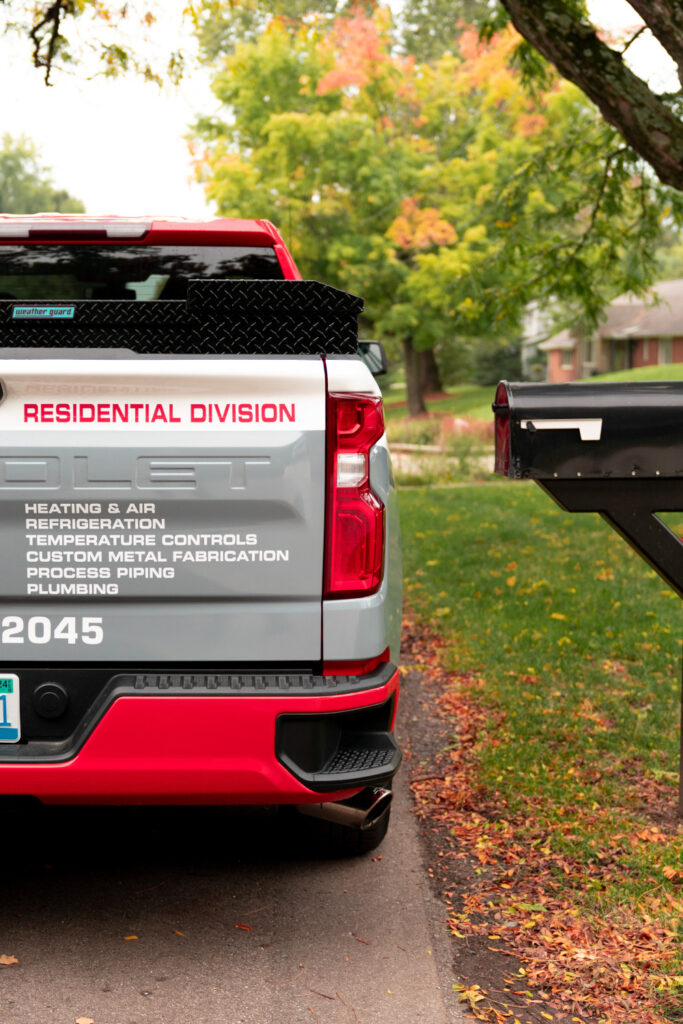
(359, 49)
(417, 228)
(530, 124)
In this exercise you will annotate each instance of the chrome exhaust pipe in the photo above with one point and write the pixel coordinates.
(360, 812)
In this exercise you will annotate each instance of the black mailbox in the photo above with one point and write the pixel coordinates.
(570, 431)
(616, 449)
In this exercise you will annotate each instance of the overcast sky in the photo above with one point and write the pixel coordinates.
(119, 144)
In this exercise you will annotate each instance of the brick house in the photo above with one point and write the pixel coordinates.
(636, 333)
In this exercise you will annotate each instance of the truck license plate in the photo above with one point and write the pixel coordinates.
(10, 723)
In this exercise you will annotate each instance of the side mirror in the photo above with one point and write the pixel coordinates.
(373, 355)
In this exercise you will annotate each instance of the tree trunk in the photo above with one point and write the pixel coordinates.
(430, 378)
(415, 394)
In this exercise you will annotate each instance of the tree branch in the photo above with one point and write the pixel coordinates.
(636, 35)
(664, 18)
(53, 16)
(645, 121)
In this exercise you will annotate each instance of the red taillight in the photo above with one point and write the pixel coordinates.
(354, 555)
(501, 409)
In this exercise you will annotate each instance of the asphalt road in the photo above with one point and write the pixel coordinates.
(233, 922)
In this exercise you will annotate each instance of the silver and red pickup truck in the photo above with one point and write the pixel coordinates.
(200, 585)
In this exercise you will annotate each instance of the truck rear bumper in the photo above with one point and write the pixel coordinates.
(223, 750)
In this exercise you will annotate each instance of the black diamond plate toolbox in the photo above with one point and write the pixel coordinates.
(218, 318)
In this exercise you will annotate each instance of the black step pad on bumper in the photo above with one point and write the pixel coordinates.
(340, 750)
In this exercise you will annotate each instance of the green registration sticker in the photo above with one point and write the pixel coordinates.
(10, 723)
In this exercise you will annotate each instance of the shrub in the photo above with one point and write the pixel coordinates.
(415, 431)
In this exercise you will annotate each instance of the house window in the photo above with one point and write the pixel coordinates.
(588, 351)
(567, 360)
(646, 350)
(664, 351)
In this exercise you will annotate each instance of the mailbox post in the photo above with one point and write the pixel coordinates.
(616, 449)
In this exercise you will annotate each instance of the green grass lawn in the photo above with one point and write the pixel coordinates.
(578, 644)
(673, 371)
(471, 400)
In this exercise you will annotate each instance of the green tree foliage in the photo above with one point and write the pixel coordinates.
(494, 362)
(63, 31)
(442, 192)
(26, 185)
(562, 31)
(430, 28)
(669, 253)
(221, 25)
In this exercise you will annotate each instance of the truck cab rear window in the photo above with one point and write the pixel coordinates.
(141, 273)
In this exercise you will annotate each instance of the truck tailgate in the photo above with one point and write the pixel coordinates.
(161, 509)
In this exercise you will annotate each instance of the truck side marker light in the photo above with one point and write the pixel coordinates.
(589, 430)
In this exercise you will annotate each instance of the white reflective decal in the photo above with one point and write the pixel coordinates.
(103, 399)
(589, 430)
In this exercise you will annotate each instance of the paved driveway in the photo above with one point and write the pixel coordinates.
(233, 922)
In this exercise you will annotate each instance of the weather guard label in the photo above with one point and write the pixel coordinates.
(43, 313)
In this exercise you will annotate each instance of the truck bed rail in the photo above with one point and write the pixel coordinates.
(219, 317)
